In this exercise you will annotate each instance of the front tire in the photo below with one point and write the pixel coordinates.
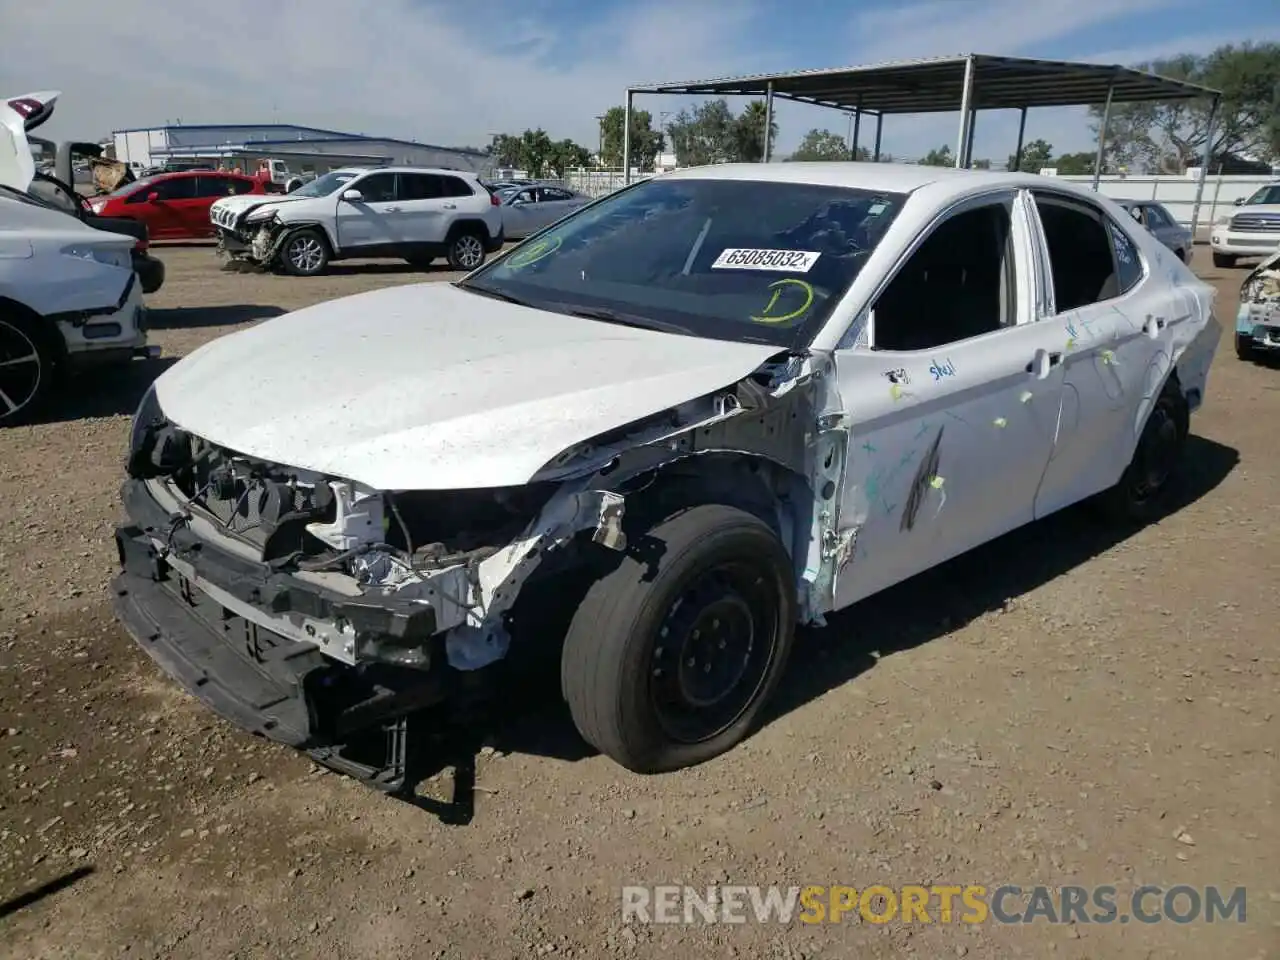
(305, 253)
(1223, 260)
(1244, 347)
(466, 250)
(28, 365)
(1137, 497)
(673, 654)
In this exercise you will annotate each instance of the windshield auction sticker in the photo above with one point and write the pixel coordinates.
(782, 261)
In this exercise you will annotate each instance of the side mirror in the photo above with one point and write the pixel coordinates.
(352, 196)
(1239, 201)
(153, 198)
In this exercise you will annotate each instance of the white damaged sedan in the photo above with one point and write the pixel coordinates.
(694, 414)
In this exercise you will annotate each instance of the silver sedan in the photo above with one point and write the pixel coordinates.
(528, 210)
(1157, 219)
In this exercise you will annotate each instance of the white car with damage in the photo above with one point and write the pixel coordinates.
(69, 296)
(417, 214)
(699, 411)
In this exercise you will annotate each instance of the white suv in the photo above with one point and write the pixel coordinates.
(1252, 231)
(413, 213)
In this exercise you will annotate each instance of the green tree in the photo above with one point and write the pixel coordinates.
(646, 143)
(565, 155)
(748, 133)
(938, 157)
(1075, 164)
(1169, 137)
(823, 145)
(506, 150)
(705, 134)
(1035, 155)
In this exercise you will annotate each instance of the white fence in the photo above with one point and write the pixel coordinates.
(1177, 194)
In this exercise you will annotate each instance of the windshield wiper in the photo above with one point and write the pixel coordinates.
(626, 319)
(494, 295)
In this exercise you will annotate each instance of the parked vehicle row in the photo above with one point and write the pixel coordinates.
(707, 408)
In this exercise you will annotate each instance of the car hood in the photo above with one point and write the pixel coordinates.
(1272, 209)
(18, 116)
(247, 201)
(431, 387)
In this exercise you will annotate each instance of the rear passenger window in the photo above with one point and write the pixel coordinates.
(1080, 253)
(1128, 264)
(454, 187)
(419, 186)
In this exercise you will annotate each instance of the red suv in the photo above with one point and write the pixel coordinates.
(174, 206)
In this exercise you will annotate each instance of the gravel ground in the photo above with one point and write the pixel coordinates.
(1067, 705)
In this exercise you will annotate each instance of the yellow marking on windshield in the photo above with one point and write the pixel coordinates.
(777, 287)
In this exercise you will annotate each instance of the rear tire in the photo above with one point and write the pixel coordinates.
(29, 361)
(1137, 497)
(1244, 347)
(674, 653)
(1223, 260)
(466, 250)
(305, 253)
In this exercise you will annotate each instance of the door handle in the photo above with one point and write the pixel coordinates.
(451, 206)
(392, 209)
(1054, 359)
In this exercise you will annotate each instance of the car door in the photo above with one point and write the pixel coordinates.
(423, 208)
(370, 222)
(1112, 321)
(1167, 230)
(554, 204)
(520, 214)
(163, 215)
(952, 394)
(210, 187)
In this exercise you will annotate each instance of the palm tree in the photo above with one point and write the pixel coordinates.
(749, 132)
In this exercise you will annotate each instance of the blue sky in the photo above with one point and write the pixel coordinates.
(451, 73)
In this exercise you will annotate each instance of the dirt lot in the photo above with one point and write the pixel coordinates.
(1058, 708)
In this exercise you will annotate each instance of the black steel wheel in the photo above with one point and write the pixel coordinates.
(673, 654)
(1136, 498)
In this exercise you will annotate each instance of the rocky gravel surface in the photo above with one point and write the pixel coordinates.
(1070, 705)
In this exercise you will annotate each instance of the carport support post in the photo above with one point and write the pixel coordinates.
(966, 101)
(768, 120)
(857, 130)
(1204, 166)
(968, 147)
(1022, 132)
(879, 130)
(1102, 136)
(626, 140)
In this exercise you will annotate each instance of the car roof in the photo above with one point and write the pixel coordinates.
(445, 171)
(887, 177)
(180, 174)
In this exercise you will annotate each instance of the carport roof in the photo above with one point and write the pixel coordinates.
(936, 85)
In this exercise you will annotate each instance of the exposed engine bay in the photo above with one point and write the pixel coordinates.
(454, 562)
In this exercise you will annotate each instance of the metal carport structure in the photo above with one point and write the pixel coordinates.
(965, 83)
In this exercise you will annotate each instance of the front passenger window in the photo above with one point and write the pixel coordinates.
(958, 284)
(378, 188)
